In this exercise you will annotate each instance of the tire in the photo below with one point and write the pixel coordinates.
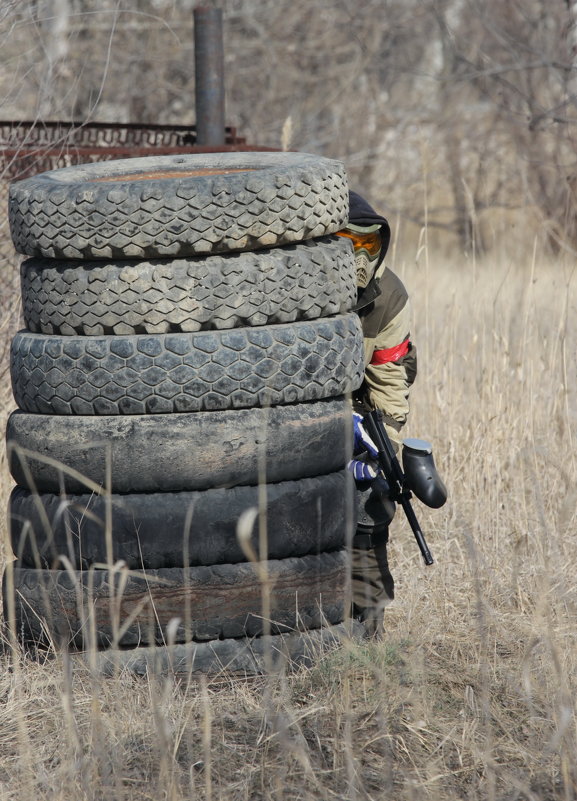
(172, 452)
(163, 530)
(281, 285)
(212, 370)
(246, 657)
(210, 603)
(169, 206)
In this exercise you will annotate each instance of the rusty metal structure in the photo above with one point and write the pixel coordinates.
(30, 147)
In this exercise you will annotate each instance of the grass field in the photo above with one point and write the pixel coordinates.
(471, 693)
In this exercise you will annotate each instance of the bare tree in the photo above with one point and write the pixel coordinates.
(469, 105)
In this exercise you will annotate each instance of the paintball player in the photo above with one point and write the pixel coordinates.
(390, 369)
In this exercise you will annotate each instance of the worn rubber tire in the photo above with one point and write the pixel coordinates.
(212, 370)
(279, 285)
(244, 656)
(210, 603)
(166, 206)
(171, 452)
(157, 530)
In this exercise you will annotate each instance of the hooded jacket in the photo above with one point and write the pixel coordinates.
(390, 355)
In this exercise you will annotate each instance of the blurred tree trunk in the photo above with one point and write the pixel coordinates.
(572, 48)
(54, 23)
(453, 105)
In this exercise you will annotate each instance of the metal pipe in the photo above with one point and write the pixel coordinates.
(209, 76)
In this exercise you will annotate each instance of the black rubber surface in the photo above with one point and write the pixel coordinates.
(188, 451)
(198, 603)
(157, 530)
(244, 656)
(161, 373)
(166, 206)
(278, 285)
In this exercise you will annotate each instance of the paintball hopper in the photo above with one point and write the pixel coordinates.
(421, 475)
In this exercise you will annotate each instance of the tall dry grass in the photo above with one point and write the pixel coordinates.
(470, 695)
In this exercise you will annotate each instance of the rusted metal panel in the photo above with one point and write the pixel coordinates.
(27, 148)
(102, 134)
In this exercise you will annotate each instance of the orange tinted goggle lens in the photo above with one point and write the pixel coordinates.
(369, 242)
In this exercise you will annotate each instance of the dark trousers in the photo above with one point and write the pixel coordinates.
(373, 587)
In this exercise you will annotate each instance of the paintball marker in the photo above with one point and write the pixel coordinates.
(419, 477)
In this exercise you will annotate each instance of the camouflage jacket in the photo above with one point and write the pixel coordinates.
(390, 356)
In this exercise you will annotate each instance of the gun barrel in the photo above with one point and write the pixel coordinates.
(417, 531)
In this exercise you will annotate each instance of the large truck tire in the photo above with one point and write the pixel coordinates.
(243, 657)
(127, 609)
(212, 370)
(179, 205)
(279, 285)
(171, 452)
(157, 530)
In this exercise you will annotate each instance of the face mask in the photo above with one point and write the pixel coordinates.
(365, 268)
(366, 241)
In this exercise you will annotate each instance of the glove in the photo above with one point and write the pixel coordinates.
(364, 447)
(362, 441)
(361, 470)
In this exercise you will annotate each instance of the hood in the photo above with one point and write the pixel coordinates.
(360, 213)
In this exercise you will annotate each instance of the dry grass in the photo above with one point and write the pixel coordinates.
(470, 696)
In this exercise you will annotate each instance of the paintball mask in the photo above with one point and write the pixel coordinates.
(367, 243)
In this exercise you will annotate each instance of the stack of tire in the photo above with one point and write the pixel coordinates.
(183, 425)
